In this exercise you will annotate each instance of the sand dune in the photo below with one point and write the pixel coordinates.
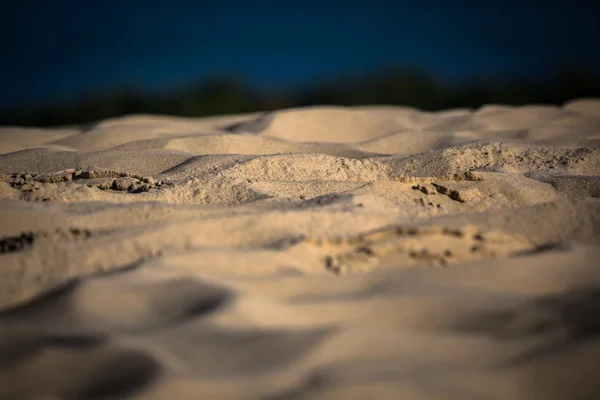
(311, 253)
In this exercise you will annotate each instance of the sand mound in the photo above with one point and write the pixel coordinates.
(323, 124)
(118, 131)
(14, 138)
(243, 144)
(307, 167)
(313, 253)
(586, 107)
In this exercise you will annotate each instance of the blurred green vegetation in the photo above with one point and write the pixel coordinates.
(391, 87)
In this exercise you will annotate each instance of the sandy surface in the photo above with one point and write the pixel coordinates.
(316, 253)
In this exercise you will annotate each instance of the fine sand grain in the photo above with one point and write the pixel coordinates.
(314, 253)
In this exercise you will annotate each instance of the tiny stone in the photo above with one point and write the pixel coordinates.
(124, 183)
(427, 188)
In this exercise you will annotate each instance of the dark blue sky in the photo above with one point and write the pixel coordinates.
(54, 50)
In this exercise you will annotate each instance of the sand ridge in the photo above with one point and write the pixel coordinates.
(310, 253)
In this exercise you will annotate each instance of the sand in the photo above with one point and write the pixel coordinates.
(313, 253)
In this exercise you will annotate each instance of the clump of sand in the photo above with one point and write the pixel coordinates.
(311, 253)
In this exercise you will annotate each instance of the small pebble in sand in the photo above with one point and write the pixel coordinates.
(426, 188)
(124, 183)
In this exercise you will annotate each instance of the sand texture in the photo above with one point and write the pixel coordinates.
(314, 253)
